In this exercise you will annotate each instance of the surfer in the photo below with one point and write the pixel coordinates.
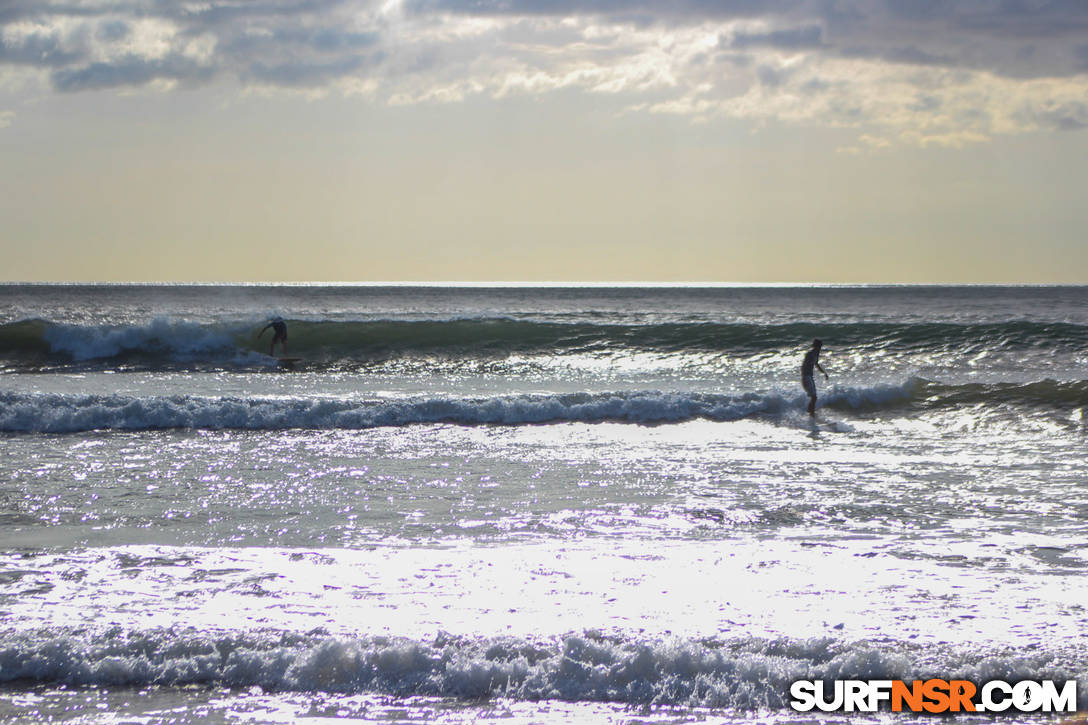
(812, 358)
(279, 334)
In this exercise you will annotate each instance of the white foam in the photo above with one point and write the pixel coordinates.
(743, 672)
(174, 338)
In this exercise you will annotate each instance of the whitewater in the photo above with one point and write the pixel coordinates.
(533, 504)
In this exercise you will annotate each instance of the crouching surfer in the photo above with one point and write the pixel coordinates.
(279, 334)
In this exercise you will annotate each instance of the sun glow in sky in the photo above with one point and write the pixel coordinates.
(474, 140)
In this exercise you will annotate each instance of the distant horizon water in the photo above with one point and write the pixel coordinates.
(649, 284)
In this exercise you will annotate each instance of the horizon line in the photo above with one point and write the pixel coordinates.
(521, 284)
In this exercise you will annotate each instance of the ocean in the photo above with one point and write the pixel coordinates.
(533, 504)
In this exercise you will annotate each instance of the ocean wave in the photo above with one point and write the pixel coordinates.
(39, 342)
(740, 672)
(1056, 394)
(56, 413)
(53, 413)
(178, 341)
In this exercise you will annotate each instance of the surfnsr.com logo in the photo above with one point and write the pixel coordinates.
(934, 696)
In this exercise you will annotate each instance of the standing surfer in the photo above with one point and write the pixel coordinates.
(812, 358)
(279, 334)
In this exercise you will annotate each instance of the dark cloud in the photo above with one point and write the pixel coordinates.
(928, 46)
(1020, 18)
(926, 103)
(664, 8)
(113, 31)
(816, 85)
(220, 12)
(788, 39)
(330, 40)
(130, 71)
(1015, 38)
(39, 49)
(1067, 116)
(770, 76)
(15, 10)
(904, 54)
(285, 42)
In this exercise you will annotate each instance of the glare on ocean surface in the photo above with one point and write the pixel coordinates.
(424, 531)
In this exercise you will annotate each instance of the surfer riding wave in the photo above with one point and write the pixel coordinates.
(279, 334)
(812, 359)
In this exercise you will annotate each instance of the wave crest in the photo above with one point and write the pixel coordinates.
(51, 413)
(166, 341)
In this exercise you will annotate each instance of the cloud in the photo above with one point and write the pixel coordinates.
(1066, 114)
(39, 45)
(922, 71)
(804, 38)
(6, 118)
(130, 71)
(303, 75)
(625, 10)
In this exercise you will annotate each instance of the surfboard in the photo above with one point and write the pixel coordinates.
(288, 362)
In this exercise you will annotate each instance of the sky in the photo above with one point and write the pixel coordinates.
(877, 141)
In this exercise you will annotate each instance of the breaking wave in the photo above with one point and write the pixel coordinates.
(741, 672)
(53, 413)
(171, 342)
